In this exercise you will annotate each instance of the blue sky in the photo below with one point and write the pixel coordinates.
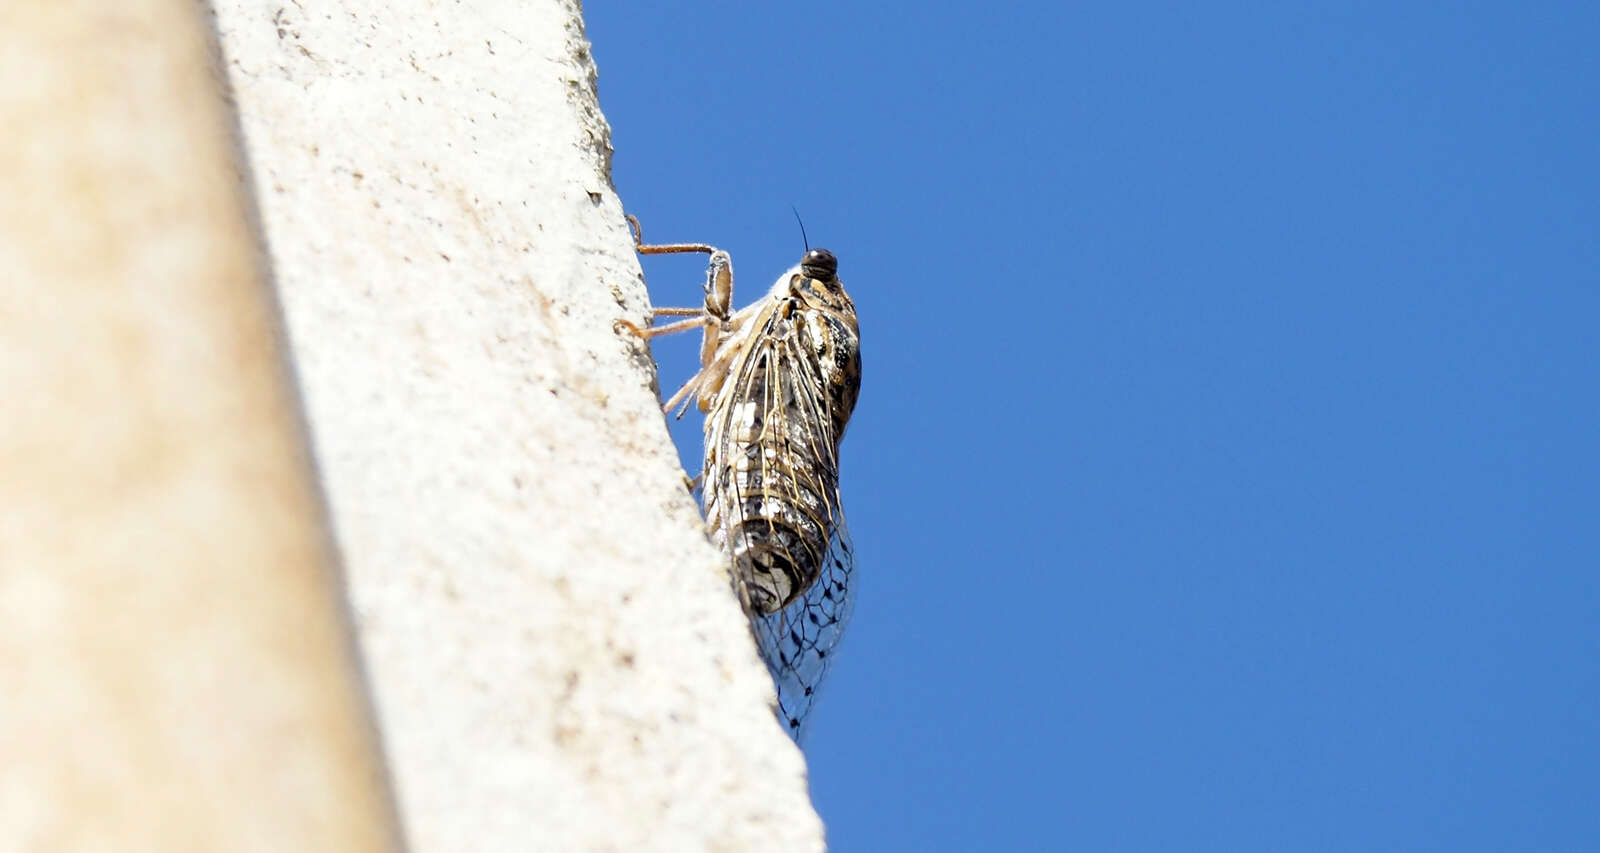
(1225, 475)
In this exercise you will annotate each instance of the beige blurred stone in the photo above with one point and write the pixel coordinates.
(176, 669)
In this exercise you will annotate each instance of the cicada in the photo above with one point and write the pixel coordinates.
(777, 383)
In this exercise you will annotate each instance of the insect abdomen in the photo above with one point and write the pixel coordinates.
(778, 534)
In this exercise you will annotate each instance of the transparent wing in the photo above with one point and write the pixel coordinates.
(798, 642)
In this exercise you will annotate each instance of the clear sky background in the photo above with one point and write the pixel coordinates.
(1225, 475)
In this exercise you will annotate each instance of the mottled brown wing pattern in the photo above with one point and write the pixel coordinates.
(778, 381)
(771, 487)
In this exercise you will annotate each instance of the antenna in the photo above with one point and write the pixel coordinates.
(803, 239)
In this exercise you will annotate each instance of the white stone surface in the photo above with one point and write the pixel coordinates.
(557, 661)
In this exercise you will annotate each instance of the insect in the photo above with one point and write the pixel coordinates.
(777, 382)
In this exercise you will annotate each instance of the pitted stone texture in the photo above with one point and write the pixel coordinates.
(557, 658)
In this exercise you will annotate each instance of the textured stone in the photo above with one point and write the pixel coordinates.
(556, 656)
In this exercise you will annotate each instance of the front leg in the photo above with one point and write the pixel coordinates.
(713, 318)
(670, 328)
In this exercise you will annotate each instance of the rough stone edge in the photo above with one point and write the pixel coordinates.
(556, 658)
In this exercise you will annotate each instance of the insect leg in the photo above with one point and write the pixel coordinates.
(678, 396)
(708, 381)
(719, 274)
(670, 328)
(663, 248)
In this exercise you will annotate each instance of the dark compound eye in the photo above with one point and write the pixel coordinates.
(820, 264)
